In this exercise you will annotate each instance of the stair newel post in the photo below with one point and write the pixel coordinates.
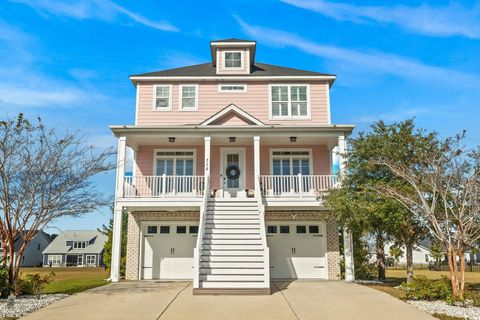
(300, 185)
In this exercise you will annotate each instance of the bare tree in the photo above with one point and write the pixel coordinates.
(43, 177)
(446, 181)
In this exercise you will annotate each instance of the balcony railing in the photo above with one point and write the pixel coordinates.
(296, 185)
(164, 186)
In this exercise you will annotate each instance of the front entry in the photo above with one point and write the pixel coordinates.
(232, 172)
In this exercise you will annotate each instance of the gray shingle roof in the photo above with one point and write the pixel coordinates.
(209, 70)
(95, 238)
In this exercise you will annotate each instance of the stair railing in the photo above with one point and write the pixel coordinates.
(197, 252)
(266, 250)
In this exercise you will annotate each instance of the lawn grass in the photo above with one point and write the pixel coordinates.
(70, 280)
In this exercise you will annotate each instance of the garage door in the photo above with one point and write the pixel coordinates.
(168, 250)
(297, 250)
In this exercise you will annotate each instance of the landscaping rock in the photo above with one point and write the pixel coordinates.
(467, 312)
(27, 304)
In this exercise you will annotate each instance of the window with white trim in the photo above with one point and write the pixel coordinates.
(232, 88)
(188, 97)
(80, 244)
(91, 260)
(175, 163)
(289, 101)
(287, 163)
(163, 97)
(233, 59)
(55, 259)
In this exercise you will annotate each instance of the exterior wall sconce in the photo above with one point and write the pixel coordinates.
(293, 139)
(171, 139)
(232, 139)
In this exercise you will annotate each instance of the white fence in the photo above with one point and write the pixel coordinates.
(296, 185)
(164, 186)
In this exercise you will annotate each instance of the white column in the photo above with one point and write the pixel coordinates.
(207, 156)
(121, 155)
(116, 245)
(256, 164)
(347, 235)
(117, 213)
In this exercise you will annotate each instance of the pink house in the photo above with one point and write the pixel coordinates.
(231, 158)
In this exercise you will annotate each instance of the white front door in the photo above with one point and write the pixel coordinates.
(297, 250)
(168, 250)
(232, 172)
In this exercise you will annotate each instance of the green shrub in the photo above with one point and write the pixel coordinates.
(4, 288)
(34, 283)
(422, 288)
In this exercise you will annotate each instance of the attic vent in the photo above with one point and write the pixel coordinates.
(232, 88)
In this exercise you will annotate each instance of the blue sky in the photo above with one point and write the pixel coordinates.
(69, 61)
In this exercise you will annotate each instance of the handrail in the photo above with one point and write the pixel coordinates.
(261, 213)
(296, 185)
(197, 251)
(164, 186)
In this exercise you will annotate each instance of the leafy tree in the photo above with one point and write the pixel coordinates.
(43, 176)
(446, 195)
(359, 204)
(396, 252)
(436, 250)
(107, 254)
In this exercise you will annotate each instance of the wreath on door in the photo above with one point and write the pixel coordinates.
(232, 172)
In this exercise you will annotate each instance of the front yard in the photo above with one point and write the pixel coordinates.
(396, 277)
(71, 280)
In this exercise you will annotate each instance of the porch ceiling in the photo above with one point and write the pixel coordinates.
(269, 135)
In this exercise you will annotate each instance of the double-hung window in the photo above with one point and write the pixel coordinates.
(175, 164)
(188, 97)
(163, 97)
(233, 59)
(290, 163)
(91, 260)
(289, 101)
(55, 259)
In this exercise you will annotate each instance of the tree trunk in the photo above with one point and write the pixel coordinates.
(380, 251)
(462, 272)
(409, 254)
(452, 265)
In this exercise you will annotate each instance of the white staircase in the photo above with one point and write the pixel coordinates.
(233, 257)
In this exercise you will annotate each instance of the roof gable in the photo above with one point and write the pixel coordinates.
(232, 115)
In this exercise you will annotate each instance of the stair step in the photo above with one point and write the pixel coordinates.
(232, 241)
(232, 253)
(232, 271)
(244, 247)
(230, 265)
(232, 216)
(228, 284)
(211, 231)
(231, 259)
(232, 236)
(227, 277)
(230, 209)
(232, 221)
(232, 226)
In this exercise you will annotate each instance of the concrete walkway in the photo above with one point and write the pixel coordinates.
(174, 300)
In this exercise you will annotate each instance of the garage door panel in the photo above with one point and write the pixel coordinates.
(297, 255)
(168, 255)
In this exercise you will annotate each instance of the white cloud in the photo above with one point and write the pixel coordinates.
(175, 59)
(104, 10)
(369, 63)
(442, 21)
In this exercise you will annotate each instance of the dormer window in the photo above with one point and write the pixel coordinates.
(233, 59)
(80, 244)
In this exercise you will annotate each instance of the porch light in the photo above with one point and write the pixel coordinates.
(171, 139)
(293, 139)
(232, 139)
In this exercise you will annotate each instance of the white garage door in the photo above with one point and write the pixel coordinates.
(297, 250)
(168, 250)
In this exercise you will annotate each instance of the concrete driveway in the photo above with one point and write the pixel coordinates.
(174, 300)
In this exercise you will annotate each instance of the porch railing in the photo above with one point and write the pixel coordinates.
(296, 185)
(164, 186)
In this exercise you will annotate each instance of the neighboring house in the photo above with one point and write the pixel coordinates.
(32, 256)
(422, 254)
(230, 158)
(77, 248)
